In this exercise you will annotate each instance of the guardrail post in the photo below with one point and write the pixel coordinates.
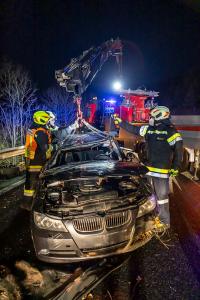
(196, 163)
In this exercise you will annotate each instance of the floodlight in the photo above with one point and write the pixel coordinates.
(117, 85)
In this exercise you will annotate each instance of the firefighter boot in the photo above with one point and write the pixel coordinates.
(27, 203)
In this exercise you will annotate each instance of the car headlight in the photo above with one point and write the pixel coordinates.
(45, 222)
(148, 206)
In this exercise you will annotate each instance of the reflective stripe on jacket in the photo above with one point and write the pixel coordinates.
(156, 172)
(164, 146)
(29, 193)
(34, 168)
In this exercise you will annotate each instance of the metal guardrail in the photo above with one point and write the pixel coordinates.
(189, 127)
(12, 152)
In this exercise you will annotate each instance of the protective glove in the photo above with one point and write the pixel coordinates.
(73, 126)
(76, 124)
(173, 172)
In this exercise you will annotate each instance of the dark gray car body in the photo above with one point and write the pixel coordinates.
(93, 201)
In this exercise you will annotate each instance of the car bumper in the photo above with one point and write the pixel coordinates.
(71, 246)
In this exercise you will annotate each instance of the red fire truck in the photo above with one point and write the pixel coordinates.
(134, 106)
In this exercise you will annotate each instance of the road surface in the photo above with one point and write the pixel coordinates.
(155, 271)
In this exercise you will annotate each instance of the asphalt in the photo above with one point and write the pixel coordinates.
(155, 271)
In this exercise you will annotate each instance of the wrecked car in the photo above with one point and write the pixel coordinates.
(93, 201)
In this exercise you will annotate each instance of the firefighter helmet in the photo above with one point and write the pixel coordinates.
(160, 113)
(41, 117)
(51, 122)
(52, 115)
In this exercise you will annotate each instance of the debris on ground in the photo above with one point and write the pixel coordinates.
(39, 282)
(9, 288)
(33, 277)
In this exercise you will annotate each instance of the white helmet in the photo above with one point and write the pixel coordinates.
(160, 113)
(52, 120)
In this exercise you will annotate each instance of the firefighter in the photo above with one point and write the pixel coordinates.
(37, 152)
(164, 156)
(117, 120)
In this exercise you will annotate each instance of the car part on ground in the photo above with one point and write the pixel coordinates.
(79, 285)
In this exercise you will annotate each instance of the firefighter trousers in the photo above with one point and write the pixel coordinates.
(161, 189)
(32, 176)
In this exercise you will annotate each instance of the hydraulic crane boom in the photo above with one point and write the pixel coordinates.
(81, 71)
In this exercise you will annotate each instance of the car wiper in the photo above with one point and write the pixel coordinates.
(71, 165)
(64, 167)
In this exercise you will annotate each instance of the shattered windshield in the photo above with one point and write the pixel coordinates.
(96, 152)
(78, 148)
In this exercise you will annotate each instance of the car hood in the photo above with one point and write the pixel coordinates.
(97, 168)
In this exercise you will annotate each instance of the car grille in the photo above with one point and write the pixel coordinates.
(94, 224)
(89, 224)
(117, 219)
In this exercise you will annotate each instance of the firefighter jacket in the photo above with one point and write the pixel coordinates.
(164, 146)
(37, 147)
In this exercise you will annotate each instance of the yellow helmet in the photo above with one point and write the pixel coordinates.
(160, 113)
(41, 117)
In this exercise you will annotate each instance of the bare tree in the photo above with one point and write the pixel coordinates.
(61, 103)
(18, 98)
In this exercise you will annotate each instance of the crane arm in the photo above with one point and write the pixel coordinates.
(81, 71)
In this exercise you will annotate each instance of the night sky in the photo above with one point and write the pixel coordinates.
(161, 37)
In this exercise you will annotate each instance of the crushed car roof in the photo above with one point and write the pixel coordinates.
(83, 139)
